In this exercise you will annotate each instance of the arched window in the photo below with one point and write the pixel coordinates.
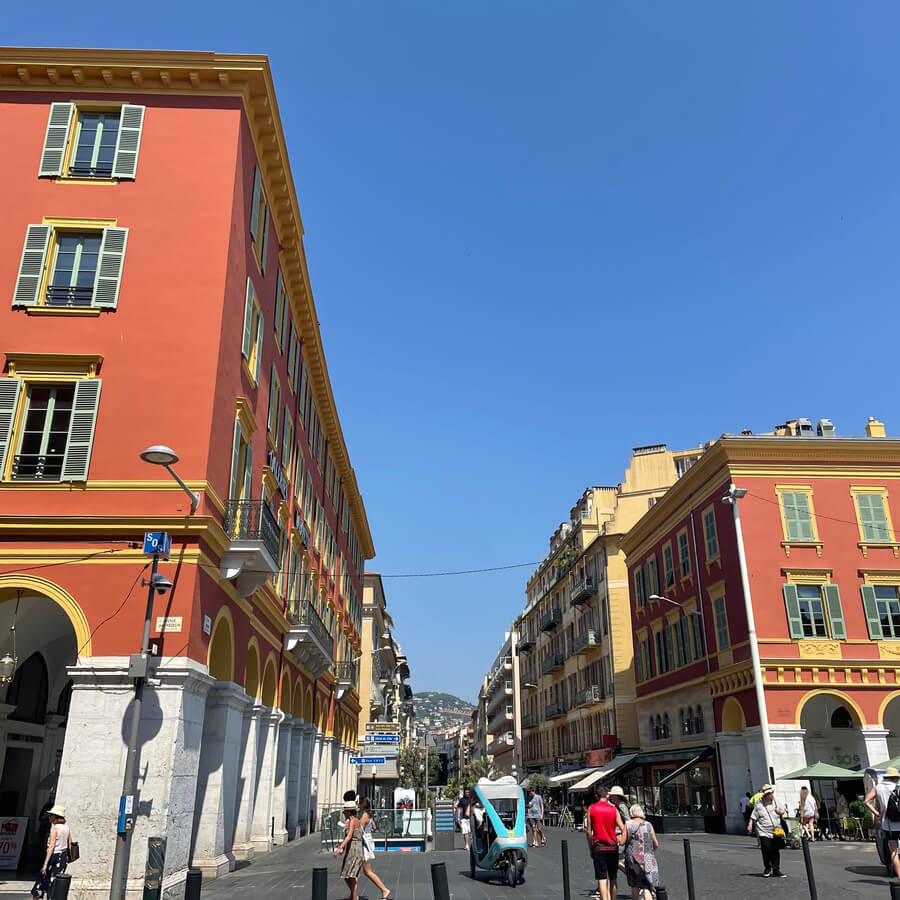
(840, 718)
(699, 724)
(666, 730)
(28, 691)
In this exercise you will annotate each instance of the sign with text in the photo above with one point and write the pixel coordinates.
(12, 839)
(279, 475)
(371, 760)
(382, 727)
(382, 739)
(157, 542)
(168, 623)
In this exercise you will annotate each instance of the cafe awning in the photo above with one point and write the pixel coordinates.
(603, 772)
(569, 776)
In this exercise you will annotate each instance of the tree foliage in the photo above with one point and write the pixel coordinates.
(541, 783)
(411, 767)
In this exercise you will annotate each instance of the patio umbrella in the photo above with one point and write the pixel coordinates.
(821, 770)
(895, 762)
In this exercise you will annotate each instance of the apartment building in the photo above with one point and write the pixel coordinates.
(151, 250)
(722, 706)
(480, 723)
(502, 705)
(575, 655)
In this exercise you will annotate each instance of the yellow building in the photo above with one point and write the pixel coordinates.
(575, 651)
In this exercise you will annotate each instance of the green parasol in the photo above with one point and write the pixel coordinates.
(821, 770)
(895, 762)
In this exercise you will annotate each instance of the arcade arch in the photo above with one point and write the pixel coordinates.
(831, 723)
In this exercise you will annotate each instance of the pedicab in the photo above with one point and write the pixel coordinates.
(498, 842)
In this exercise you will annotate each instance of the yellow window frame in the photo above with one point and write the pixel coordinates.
(82, 106)
(864, 544)
(690, 572)
(717, 556)
(787, 543)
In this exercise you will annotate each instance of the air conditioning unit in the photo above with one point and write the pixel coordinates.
(804, 428)
(825, 428)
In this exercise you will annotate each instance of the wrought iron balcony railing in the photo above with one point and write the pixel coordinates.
(582, 590)
(551, 619)
(307, 617)
(346, 672)
(37, 467)
(587, 640)
(555, 710)
(252, 520)
(552, 662)
(589, 696)
(526, 642)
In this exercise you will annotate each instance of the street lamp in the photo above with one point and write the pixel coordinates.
(160, 455)
(667, 600)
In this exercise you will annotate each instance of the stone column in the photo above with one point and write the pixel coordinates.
(736, 777)
(280, 785)
(267, 750)
(245, 797)
(875, 738)
(93, 764)
(306, 786)
(334, 797)
(218, 781)
(293, 778)
(788, 755)
(325, 787)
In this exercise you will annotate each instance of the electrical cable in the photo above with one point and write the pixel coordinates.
(109, 618)
(68, 560)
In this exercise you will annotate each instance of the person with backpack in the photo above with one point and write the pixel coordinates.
(886, 809)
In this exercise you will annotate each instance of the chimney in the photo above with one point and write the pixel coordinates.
(874, 428)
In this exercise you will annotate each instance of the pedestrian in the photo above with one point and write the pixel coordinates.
(882, 802)
(352, 848)
(766, 816)
(807, 812)
(59, 843)
(745, 807)
(536, 817)
(617, 798)
(463, 811)
(641, 843)
(364, 812)
(601, 825)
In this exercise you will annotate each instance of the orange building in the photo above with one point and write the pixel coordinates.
(159, 294)
(816, 515)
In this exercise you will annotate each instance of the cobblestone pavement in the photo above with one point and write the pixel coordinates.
(723, 864)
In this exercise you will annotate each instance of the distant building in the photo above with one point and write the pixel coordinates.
(501, 706)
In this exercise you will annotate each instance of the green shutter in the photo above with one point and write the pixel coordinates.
(870, 605)
(77, 457)
(264, 245)
(792, 606)
(797, 517)
(872, 517)
(31, 266)
(254, 205)
(278, 300)
(109, 267)
(835, 612)
(248, 470)
(10, 388)
(128, 141)
(272, 401)
(235, 459)
(248, 320)
(59, 126)
(259, 345)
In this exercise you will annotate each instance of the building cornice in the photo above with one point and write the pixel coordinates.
(248, 77)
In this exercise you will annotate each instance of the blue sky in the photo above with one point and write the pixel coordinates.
(540, 234)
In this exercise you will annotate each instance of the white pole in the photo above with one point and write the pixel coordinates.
(758, 685)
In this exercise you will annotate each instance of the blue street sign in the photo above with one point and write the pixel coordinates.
(371, 760)
(157, 542)
(382, 739)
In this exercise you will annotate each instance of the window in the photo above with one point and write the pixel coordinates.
(282, 315)
(251, 346)
(887, 604)
(721, 622)
(709, 532)
(56, 432)
(85, 142)
(699, 651)
(814, 611)
(287, 445)
(640, 599)
(639, 663)
(872, 515)
(798, 522)
(684, 557)
(652, 585)
(259, 220)
(668, 566)
(241, 463)
(670, 654)
(699, 724)
(71, 266)
(274, 407)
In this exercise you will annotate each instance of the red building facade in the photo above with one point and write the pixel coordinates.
(824, 583)
(159, 294)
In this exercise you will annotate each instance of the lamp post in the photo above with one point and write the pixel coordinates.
(138, 668)
(731, 498)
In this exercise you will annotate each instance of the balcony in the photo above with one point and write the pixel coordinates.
(504, 667)
(530, 721)
(528, 683)
(347, 676)
(502, 720)
(589, 696)
(309, 640)
(500, 744)
(503, 694)
(553, 662)
(555, 710)
(582, 590)
(586, 641)
(254, 539)
(551, 619)
(526, 643)
(37, 467)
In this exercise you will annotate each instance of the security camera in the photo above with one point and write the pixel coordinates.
(160, 583)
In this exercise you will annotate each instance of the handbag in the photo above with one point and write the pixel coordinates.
(74, 851)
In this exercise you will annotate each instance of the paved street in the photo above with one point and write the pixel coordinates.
(722, 864)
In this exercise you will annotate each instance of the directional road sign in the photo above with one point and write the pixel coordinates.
(371, 760)
(382, 739)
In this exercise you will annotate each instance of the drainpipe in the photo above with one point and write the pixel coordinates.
(731, 498)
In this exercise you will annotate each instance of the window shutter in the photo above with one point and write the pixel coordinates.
(278, 300)
(248, 471)
(872, 517)
(59, 125)
(10, 388)
(254, 205)
(264, 245)
(77, 457)
(259, 344)
(870, 605)
(273, 401)
(31, 266)
(109, 267)
(792, 605)
(128, 141)
(835, 612)
(235, 459)
(248, 320)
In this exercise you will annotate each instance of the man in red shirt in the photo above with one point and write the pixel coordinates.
(600, 826)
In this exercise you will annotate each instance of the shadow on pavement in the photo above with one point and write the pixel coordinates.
(869, 870)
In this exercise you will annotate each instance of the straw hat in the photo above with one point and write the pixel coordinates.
(891, 772)
(57, 810)
(767, 788)
(616, 792)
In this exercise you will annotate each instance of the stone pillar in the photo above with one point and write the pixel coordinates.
(218, 781)
(875, 738)
(93, 764)
(737, 777)
(788, 755)
(245, 797)
(293, 778)
(334, 773)
(307, 784)
(280, 785)
(325, 788)
(267, 749)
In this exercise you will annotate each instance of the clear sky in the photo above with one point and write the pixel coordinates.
(542, 233)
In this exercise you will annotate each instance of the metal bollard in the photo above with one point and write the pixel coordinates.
(320, 884)
(60, 888)
(193, 884)
(439, 886)
(689, 869)
(661, 893)
(564, 846)
(810, 876)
